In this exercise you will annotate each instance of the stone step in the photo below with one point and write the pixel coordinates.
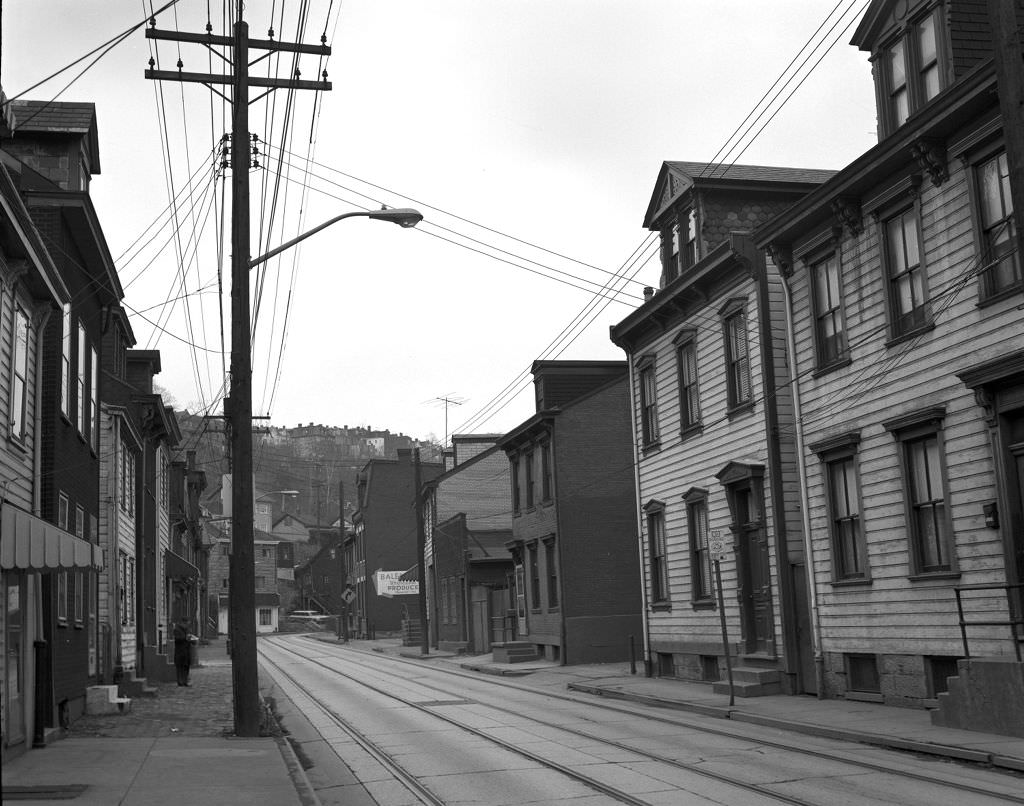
(137, 687)
(105, 700)
(514, 652)
(751, 681)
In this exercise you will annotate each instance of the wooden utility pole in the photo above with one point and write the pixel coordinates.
(421, 545)
(238, 406)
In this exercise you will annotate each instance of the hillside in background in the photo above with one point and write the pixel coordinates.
(318, 462)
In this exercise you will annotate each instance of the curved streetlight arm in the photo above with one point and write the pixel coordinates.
(403, 216)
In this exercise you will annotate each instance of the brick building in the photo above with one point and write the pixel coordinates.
(574, 542)
(384, 536)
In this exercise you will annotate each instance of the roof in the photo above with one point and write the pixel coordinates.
(59, 117)
(678, 177)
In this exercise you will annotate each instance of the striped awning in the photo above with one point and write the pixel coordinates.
(29, 543)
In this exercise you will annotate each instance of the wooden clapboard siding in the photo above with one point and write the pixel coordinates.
(895, 614)
(680, 463)
(17, 457)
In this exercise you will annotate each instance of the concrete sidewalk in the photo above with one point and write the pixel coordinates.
(174, 748)
(866, 723)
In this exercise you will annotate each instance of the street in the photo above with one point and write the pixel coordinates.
(373, 728)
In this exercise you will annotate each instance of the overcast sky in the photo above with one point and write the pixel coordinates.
(524, 125)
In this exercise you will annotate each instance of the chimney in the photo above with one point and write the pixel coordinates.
(648, 293)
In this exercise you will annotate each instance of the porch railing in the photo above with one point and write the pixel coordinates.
(1015, 620)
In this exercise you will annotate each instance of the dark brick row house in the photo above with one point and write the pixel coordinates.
(94, 567)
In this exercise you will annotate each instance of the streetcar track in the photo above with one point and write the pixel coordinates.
(642, 755)
(598, 702)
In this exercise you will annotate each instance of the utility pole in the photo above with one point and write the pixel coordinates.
(421, 545)
(238, 406)
(342, 571)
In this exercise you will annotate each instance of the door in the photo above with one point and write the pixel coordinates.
(755, 590)
(522, 628)
(14, 660)
(1011, 507)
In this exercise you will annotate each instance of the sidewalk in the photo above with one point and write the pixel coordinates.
(174, 748)
(866, 723)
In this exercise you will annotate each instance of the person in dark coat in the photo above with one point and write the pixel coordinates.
(182, 654)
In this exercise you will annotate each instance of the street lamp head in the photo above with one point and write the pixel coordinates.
(403, 216)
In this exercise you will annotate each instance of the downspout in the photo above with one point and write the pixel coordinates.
(789, 606)
(805, 510)
(639, 520)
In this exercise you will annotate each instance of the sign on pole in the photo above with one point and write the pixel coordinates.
(716, 545)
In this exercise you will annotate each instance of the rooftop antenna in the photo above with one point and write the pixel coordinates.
(447, 400)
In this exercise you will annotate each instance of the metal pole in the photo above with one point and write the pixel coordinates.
(242, 588)
(725, 632)
(342, 572)
(421, 547)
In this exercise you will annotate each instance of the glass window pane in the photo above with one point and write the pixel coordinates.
(897, 257)
(926, 40)
(910, 238)
(930, 82)
(991, 195)
(897, 66)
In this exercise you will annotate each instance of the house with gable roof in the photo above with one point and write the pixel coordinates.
(712, 434)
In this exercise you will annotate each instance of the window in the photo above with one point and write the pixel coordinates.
(224, 583)
(80, 523)
(19, 371)
(912, 69)
(1001, 261)
(80, 581)
(839, 463)
(679, 246)
(265, 617)
(94, 400)
(908, 293)
(82, 353)
(862, 674)
(266, 553)
(689, 395)
(700, 556)
(829, 326)
(528, 459)
(62, 597)
(225, 550)
(534, 577)
(551, 566)
(62, 512)
(65, 366)
(737, 357)
(127, 593)
(648, 405)
(924, 480)
(261, 581)
(514, 466)
(545, 471)
(657, 551)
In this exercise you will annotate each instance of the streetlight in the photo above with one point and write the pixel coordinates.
(403, 216)
(238, 412)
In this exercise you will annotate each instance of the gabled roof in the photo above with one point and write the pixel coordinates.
(675, 179)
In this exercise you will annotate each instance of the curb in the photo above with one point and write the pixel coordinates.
(875, 739)
(303, 788)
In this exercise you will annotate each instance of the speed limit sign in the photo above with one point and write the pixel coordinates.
(716, 545)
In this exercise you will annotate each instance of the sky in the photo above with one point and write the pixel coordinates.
(529, 133)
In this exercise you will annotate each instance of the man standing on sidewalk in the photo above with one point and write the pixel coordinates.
(182, 653)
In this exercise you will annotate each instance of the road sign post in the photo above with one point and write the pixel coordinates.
(716, 549)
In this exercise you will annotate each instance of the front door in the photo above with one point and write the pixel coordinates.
(1011, 507)
(755, 589)
(14, 643)
(521, 625)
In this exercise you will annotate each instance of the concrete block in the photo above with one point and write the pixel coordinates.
(105, 700)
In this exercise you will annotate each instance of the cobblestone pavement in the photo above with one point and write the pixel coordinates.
(202, 709)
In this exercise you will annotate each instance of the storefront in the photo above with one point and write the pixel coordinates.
(29, 548)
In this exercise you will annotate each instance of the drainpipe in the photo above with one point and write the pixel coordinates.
(805, 510)
(639, 519)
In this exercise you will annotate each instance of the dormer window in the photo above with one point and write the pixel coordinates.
(911, 70)
(681, 243)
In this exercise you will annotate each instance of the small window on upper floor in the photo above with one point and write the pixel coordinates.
(679, 246)
(1001, 264)
(912, 70)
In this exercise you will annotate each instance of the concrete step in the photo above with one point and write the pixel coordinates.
(136, 687)
(751, 681)
(106, 700)
(514, 652)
